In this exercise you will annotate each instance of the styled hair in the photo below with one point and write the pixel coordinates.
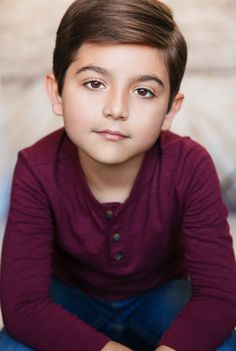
(144, 22)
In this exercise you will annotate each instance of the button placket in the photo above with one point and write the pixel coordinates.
(119, 256)
(117, 250)
(109, 214)
(116, 237)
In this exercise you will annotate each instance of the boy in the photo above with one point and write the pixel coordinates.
(117, 237)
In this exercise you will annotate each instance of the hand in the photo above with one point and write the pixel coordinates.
(164, 348)
(114, 346)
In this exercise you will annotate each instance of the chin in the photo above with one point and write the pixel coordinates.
(109, 162)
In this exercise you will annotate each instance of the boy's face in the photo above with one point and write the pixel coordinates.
(114, 101)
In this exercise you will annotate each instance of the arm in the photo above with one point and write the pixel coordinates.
(210, 315)
(28, 311)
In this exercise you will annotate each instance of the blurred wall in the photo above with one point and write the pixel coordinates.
(27, 35)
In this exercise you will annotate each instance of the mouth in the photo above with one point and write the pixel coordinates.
(111, 135)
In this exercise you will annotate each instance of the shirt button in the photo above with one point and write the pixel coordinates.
(116, 237)
(119, 256)
(109, 214)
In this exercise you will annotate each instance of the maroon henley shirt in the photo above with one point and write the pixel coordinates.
(172, 224)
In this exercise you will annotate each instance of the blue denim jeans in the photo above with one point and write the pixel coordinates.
(138, 322)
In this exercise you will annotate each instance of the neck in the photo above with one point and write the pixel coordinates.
(110, 183)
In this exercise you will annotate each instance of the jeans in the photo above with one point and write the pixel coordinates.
(137, 322)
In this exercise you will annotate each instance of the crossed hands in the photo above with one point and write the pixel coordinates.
(114, 346)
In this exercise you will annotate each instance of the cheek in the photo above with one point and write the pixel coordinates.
(150, 133)
(77, 110)
(149, 118)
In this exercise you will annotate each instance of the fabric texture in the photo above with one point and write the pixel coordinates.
(172, 224)
(137, 322)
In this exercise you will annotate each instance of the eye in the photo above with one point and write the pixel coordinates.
(94, 85)
(143, 92)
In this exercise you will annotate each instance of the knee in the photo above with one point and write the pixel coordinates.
(229, 344)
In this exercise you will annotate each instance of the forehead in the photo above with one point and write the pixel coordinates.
(123, 59)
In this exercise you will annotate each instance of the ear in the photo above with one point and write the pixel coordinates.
(175, 107)
(51, 87)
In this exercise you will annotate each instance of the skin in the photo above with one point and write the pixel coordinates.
(113, 346)
(114, 105)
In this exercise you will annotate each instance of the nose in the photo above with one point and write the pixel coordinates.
(116, 105)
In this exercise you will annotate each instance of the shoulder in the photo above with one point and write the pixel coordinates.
(185, 160)
(175, 145)
(41, 165)
(182, 151)
(189, 165)
(53, 147)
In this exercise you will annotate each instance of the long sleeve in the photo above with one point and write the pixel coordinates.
(211, 313)
(177, 188)
(28, 312)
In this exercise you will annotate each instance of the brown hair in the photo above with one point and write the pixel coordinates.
(146, 22)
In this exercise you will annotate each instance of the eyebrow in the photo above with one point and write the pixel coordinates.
(92, 68)
(139, 78)
(148, 77)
